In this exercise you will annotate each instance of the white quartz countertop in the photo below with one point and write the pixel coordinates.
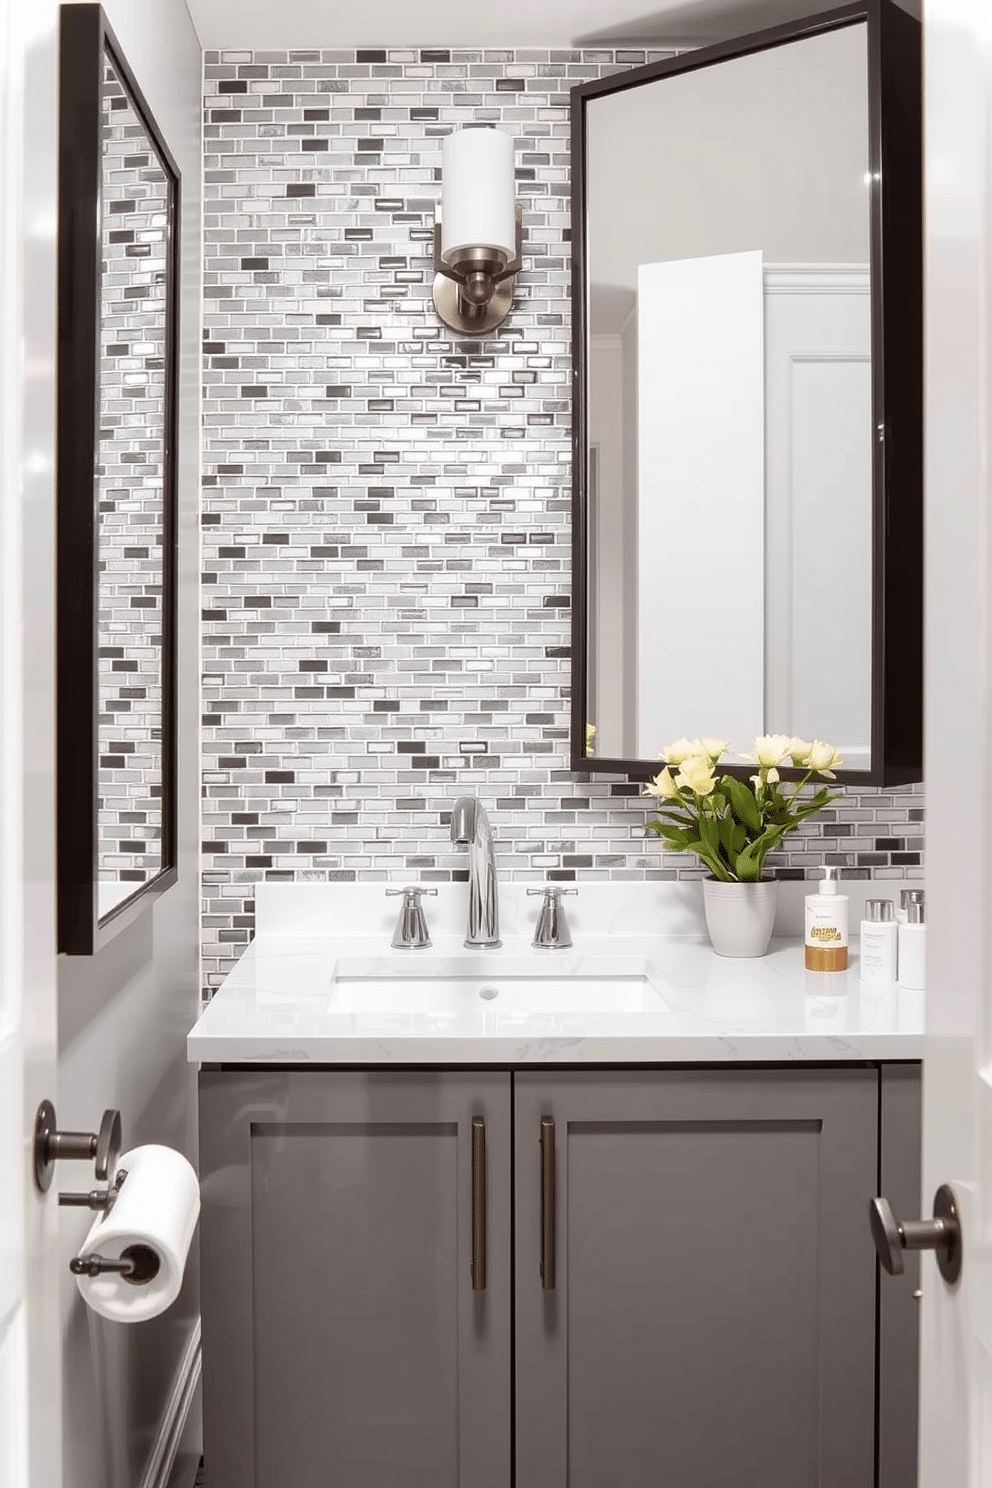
(298, 999)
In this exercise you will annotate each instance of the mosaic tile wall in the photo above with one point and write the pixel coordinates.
(132, 413)
(386, 506)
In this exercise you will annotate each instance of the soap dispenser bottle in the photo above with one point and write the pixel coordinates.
(826, 926)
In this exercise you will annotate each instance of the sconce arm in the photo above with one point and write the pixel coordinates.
(460, 272)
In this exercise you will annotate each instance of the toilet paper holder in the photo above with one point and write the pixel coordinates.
(102, 1148)
(138, 1263)
(98, 1265)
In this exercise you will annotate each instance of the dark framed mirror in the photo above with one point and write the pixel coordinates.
(118, 256)
(748, 355)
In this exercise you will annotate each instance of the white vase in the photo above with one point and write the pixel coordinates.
(740, 916)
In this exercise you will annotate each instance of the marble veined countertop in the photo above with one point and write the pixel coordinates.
(298, 998)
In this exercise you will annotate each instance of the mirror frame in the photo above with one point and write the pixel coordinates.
(85, 40)
(895, 151)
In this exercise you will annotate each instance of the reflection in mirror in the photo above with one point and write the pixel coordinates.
(131, 505)
(730, 401)
(118, 259)
(747, 539)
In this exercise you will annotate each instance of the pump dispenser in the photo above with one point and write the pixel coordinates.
(826, 926)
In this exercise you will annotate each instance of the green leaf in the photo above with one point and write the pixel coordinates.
(677, 839)
(675, 815)
(751, 860)
(745, 806)
(716, 867)
(709, 832)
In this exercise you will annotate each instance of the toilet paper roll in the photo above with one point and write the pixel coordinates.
(154, 1216)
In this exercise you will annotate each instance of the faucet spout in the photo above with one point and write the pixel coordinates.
(470, 828)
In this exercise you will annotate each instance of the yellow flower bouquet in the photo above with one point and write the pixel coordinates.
(730, 824)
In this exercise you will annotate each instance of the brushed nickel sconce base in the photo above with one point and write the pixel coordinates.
(468, 319)
(474, 270)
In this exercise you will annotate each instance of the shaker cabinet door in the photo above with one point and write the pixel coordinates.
(344, 1224)
(695, 1278)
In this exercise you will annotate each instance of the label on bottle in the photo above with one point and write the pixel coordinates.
(878, 951)
(826, 958)
(826, 934)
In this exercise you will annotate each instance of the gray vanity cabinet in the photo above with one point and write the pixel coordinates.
(343, 1341)
(710, 1318)
(688, 1294)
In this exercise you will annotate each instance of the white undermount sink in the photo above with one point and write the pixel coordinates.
(508, 986)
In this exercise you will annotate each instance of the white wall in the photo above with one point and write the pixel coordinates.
(778, 138)
(29, 1330)
(124, 1013)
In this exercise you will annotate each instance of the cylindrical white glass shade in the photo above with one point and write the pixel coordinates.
(477, 205)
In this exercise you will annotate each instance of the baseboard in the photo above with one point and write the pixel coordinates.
(163, 1454)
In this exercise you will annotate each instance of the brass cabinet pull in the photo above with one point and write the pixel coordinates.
(478, 1204)
(547, 1204)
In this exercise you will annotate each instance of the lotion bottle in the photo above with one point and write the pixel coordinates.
(878, 942)
(906, 898)
(913, 950)
(826, 926)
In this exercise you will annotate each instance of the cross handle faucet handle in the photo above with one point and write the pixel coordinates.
(552, 933)
(411, 927)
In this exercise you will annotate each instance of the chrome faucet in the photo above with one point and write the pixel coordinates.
(470, 828)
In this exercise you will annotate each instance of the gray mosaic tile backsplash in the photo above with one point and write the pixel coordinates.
(132, 415)
(386, 506)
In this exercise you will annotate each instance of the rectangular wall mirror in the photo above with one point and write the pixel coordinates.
(117, 302)
(747, 549)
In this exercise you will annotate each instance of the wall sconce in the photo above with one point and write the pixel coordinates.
(477, 232)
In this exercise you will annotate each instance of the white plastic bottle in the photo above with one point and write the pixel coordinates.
(906, 898)
(826, 926)
(913, 950)
(879, 942)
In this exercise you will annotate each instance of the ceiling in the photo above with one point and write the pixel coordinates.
(259, 24)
